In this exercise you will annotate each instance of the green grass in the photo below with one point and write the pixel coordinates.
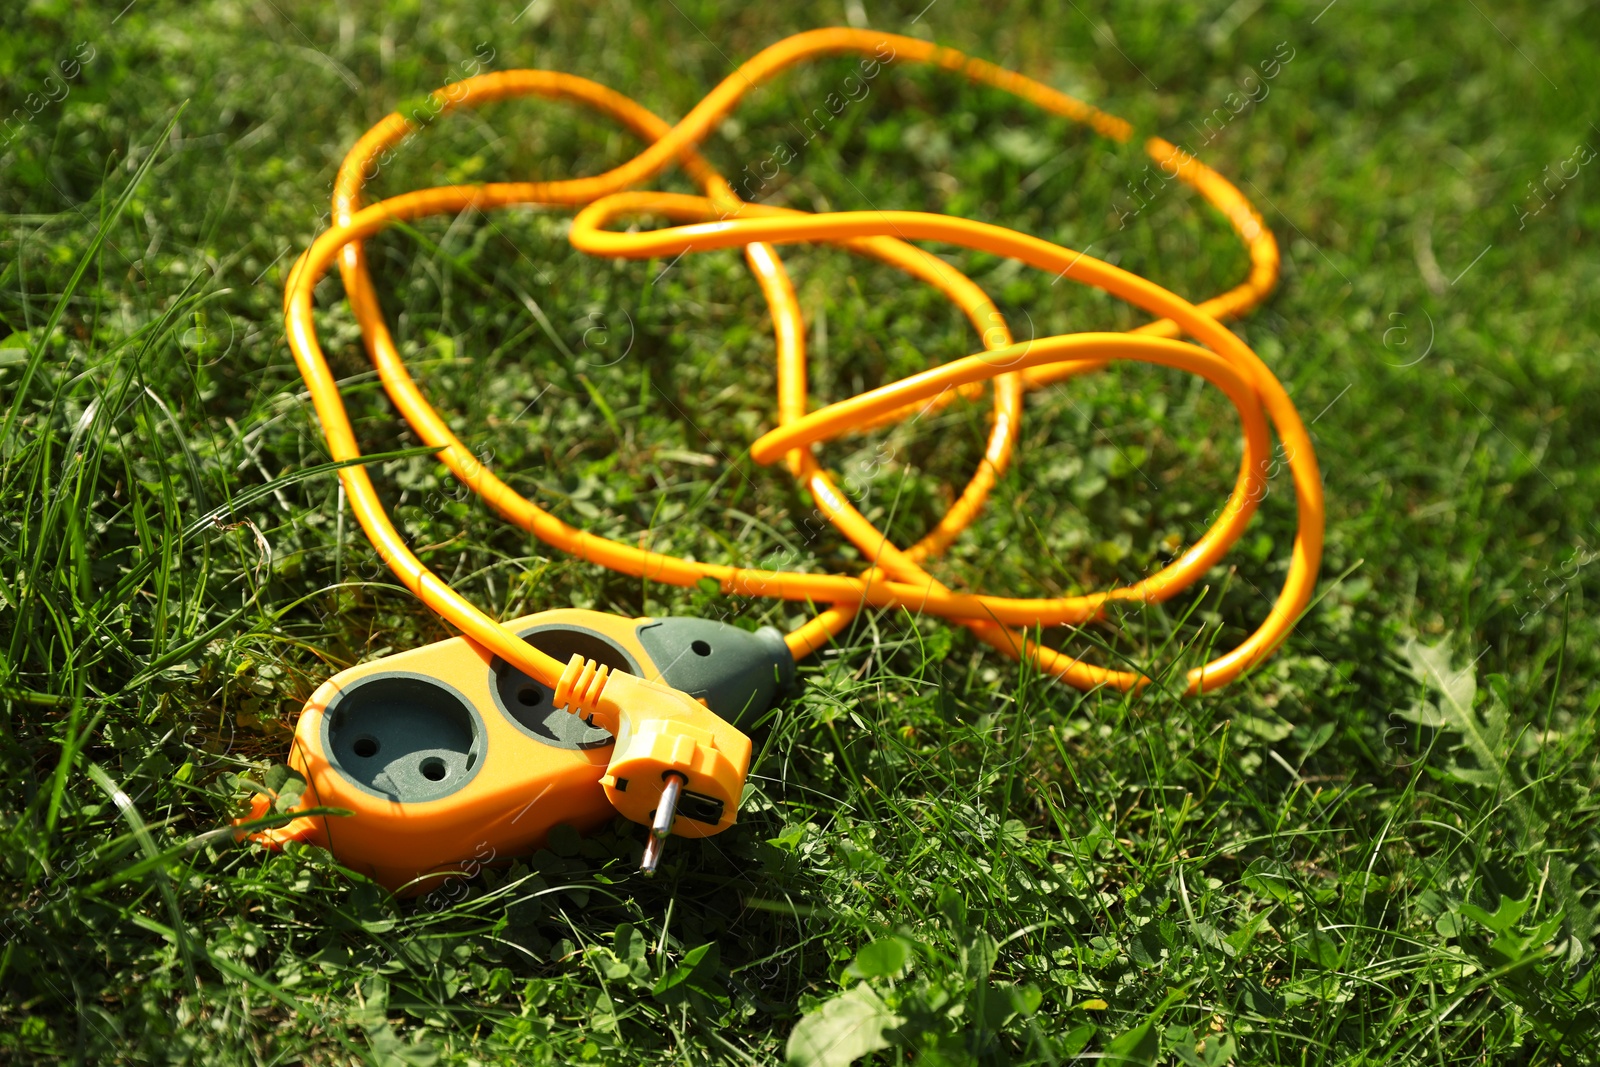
(1380, 847)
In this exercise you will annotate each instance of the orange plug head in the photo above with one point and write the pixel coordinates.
(663, 733)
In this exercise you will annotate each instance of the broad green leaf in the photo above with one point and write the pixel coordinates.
(1077, 1039)
(843, 1030)
(628, 943)
(1503, 919)
(1004, 1001)
(1241, 938)
(791, 839)
(275, 778)
(1319, 949)
(698, 964)
(1206, 1049)
(1023, 146)
(1269, 878)
(980, 955)
(1274, 729)
(1142, 1044)
(953, 907)
(1208, 935)
(882, 958)
(1485, 733)
(14, 349)
(1431, 663)
(1472, 775)
(602, 1011)
(1137, 1046)
(1424, 713)
(1026, 998)
(1457, 690)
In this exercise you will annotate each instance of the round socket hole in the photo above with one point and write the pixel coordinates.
(700, 648)
(385, 729)
(526, 702)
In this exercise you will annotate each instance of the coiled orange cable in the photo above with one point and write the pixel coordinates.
(720, 219)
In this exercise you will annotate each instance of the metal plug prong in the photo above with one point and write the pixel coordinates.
(661, 826)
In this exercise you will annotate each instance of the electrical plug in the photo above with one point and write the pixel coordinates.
(676, 766)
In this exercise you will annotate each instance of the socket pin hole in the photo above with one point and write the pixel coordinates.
(433, 769)
(700, 648)
(529, 696)
(365, 747)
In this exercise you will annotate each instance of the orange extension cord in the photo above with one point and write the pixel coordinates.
(721, 220)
